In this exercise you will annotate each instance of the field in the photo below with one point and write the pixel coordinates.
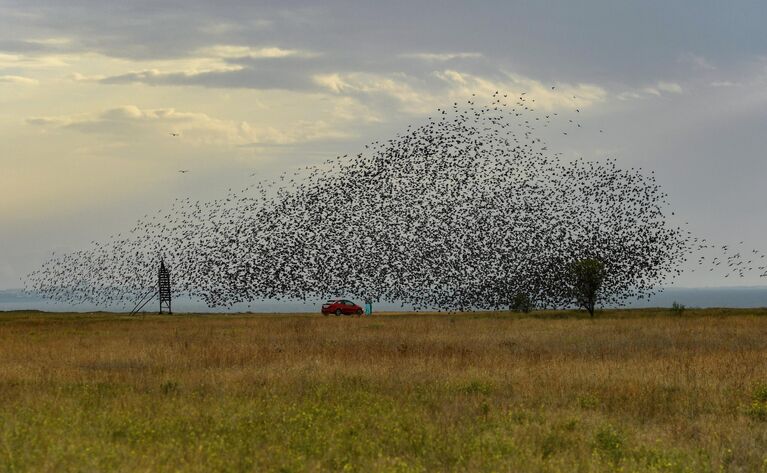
(639, 390)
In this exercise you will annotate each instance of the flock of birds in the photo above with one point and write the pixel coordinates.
(464, 211)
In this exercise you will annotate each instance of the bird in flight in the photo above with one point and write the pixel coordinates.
(522, 185)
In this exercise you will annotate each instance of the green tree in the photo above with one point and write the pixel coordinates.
(521, 303)
(587, 278)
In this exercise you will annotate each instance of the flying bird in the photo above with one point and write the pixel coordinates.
(415, 202)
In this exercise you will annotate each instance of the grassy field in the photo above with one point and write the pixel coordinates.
(637, 390)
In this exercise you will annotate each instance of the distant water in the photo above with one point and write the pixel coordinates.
(14, 299)
(744, 296)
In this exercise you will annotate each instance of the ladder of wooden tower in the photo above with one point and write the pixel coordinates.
(163, 288)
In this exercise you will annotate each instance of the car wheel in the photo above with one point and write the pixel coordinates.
(338, 312)
(359, 311)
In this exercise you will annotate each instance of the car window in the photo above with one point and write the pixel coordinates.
(348, 302)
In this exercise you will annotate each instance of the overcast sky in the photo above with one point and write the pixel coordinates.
(90, 90)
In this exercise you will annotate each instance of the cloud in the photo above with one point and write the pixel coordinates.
(228, 51)
(422, 95)
(629, 95)
(152, 30)
(221, 28)
(383, 91)
(20, 80)
(392, 86)
(130, 122)
(658, 89)
(34, 61)
(652, 91)
(37, 45)
(351, 109)
(441, 57)
(46, 121)
(698, 61)
(561, 96)
(37, 53)
(270, 76)
(362, 82)
(724, 83)
(671, 87)
(226, 66)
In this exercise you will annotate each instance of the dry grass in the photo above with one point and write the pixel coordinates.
(637, 390)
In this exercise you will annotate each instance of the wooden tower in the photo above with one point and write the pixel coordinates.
(163, 288)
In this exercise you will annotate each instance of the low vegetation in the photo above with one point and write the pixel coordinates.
(677, 308)
(630, 391)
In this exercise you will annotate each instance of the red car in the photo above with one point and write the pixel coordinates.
(341, 306)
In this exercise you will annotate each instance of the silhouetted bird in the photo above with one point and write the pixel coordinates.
(464, 211)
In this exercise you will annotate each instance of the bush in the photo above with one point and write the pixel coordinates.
(169, 387)
(477, 387)
(757, 410)
(608, 442)
(760, 393)
(677, 308)
(588, 401)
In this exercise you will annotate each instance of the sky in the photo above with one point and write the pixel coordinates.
(90, 92)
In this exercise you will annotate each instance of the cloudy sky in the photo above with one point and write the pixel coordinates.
(91, 90)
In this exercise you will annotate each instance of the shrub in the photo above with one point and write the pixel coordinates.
(477, 387)
(757, 410)
(608, 442)
(677, 308)
(588, 401)
(760, 393)
(553, 443)
(169, 387)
